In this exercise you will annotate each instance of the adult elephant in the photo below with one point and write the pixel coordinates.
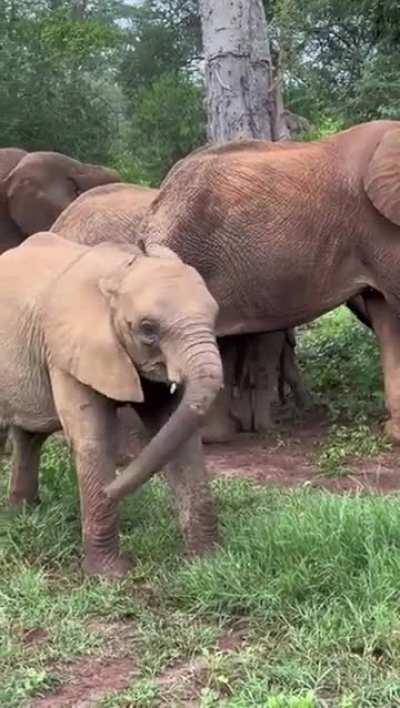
(282, 234)
(36, 187)
(114, 212)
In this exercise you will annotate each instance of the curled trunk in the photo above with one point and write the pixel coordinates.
(203, 381)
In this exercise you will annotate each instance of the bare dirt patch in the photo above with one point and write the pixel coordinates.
(34, 636)
(184, 680)
(84, 681)
(87, 680)
(288, 459)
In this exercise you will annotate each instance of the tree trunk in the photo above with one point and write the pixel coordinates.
(244, 99)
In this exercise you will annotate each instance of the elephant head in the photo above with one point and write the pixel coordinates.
(42, 184)
(9, 158)
(149, 315)
(382, 178)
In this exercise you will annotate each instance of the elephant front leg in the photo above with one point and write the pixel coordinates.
(24, 484)
(89, 422)
(187, 478)
(386, 325)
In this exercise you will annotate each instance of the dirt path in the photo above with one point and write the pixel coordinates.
(289, 460)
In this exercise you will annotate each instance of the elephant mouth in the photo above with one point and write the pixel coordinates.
(158, 374)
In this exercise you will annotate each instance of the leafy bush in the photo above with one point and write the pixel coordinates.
(167, 123)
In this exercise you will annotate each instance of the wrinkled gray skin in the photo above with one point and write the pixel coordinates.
(114, 212)
(78, 325)
(282, 233)
(108, 213)
(36, 187)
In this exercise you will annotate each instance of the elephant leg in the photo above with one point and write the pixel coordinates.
(130, 435)
(242, 407)
(5, 441)
(219, 426)
(24, 483)
(241, 402)
(89, 423)
(292, 375)
(186, 475)
(188, 480)
(386, 325)
(269, 351)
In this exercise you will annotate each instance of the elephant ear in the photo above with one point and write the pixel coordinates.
(382, 180)
(79, 335)
(32, 206)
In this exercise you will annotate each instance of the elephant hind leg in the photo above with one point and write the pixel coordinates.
(24, 485)
(386, 325)
(292, 375)
(220, 426)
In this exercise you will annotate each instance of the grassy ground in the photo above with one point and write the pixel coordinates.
(299, 608)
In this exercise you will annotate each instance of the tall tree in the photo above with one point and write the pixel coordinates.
(243, 89)
(244, 99)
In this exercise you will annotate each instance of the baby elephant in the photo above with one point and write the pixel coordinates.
(77, 326)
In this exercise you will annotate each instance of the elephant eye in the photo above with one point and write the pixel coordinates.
(149, 331)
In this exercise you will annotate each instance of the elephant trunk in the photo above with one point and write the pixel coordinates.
(203, 378)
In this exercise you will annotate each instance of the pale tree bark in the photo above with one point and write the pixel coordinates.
(244, 99)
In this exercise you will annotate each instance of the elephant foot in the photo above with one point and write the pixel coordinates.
(262, 427)
(201, 533)
(263, 421)
(96, 565)
(212, 435)
(219, 428)
(392, 431)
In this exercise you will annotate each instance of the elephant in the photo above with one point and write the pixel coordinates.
(114, 212)
(282, 233)
(36, 187)
(83, 331)
(111, 212)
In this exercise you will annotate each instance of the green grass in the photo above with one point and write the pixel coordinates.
(306, 583)
(341, 365)
(311, 580)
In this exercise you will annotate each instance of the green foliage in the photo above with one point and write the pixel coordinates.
(164, 97)
(340, 58)
(342, 367)
(163, 37)
(326, 126)
(76, 78)
(167, 124)
(341, 359)
(50, 65)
